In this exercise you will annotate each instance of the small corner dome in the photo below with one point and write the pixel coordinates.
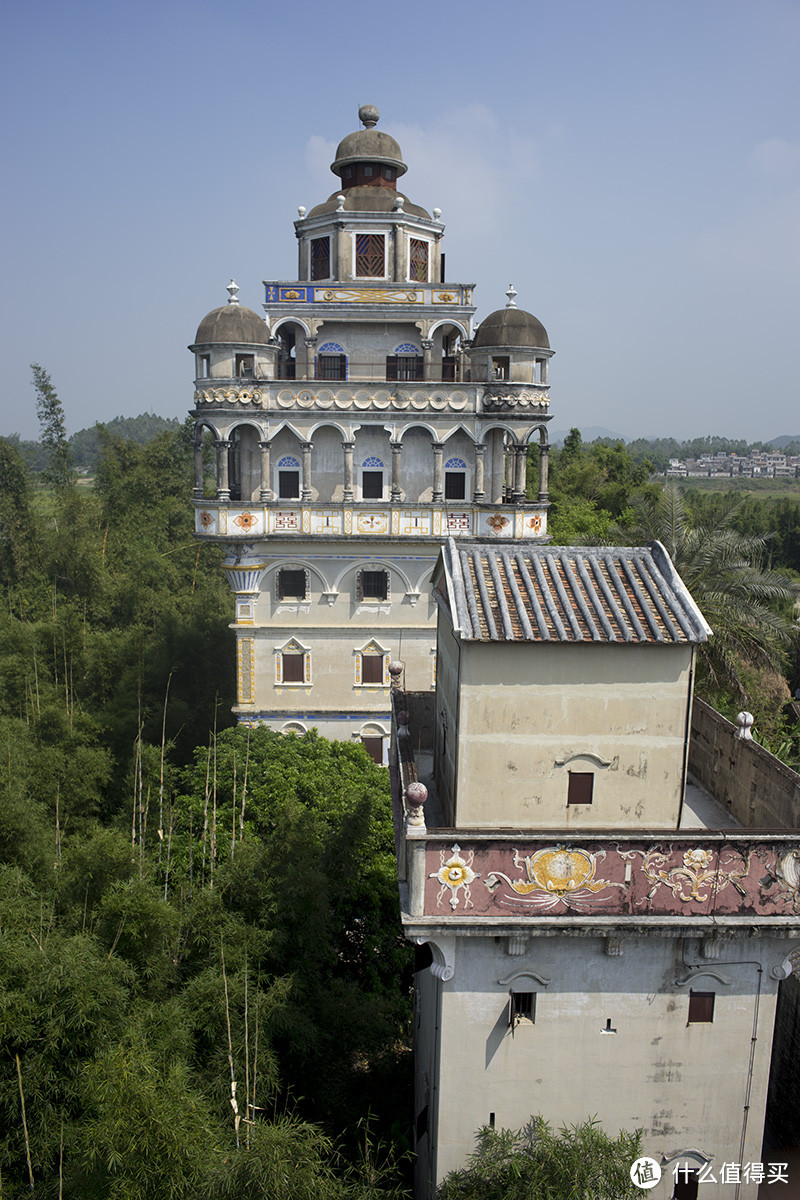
(511, 327)
(232, 323)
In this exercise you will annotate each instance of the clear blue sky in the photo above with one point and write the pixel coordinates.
(632, 167)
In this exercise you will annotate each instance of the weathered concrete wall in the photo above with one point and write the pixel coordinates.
(783, 1116)
(758, 789)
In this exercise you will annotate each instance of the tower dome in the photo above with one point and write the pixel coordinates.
(232, 323)
(368, 147)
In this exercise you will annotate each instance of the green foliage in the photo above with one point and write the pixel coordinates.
(52, 422)
(581, 1162)
(86, 444)
(591, 489)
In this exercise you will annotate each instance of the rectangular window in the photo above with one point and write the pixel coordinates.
(372, 668)
(523, 1007)
(372, 485)
(244, 365)
(701, 1008)
(686, 1184)
(404, 367)
(581, 786)
(292, 666)
(418, 261)
(373, 585)
(332, 366)
(374, 748)
(292, 584)
(288, 485)
(455, 485)
(370, 255)
(205, 365)
(320, 258)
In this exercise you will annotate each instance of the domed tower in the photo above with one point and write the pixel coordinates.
(356, 426)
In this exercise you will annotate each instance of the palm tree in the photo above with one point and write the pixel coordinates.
(748, 606)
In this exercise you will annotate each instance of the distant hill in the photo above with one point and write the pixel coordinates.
(589, 433)
(142, 429)
(780, 443)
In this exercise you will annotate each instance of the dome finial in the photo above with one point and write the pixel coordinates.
(232, 290)
(368, 115)
(511, 293)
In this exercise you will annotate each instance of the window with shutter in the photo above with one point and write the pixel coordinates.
(370, 255)
(701, 1008)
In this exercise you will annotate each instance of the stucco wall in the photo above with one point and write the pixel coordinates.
(756, 787)
(684, 1085)
(532, 713)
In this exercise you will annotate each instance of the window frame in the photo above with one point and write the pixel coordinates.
(312, 272)
(417, 241)
(367, 254)
(360, 582)
(280, 595)
(579, 782)
(701, 1008)
(293, 649)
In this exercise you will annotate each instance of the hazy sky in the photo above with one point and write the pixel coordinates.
(632, 167)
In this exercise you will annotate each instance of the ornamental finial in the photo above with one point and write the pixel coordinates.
(511, 293)
(232, 289)
(368, 115)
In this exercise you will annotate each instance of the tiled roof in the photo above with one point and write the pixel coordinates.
(520, 592)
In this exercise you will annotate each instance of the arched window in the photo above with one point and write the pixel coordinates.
(406, 364)
(372, 479)
(455, 479)
(288, 478)
(331, 362)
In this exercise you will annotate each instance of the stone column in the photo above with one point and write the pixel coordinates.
(427, 359)
(498, 466)
(266, 490)
(397, 450)
(223, 487)
(544, 456)
(438, 452)
(520, 472)
(478, 493)
(307, 448)
(198, 467)
(305, 370)
(348, 448)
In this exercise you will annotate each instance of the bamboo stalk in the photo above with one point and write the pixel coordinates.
(244, 785)
(234, 1105)
(161, 772)
(233, 806)
(246, 1055)
(24, 1123)
(205, 807)
(213, 847)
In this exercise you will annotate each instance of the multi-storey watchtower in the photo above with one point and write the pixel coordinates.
(356, 426)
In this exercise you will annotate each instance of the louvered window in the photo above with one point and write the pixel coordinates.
(418, 261)
(372, 668)
(292, 584)
(370, 255)
(320, 258)
(332, 366)
(373, 585)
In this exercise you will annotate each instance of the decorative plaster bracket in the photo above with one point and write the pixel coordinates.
(595, 758)
(509, 979)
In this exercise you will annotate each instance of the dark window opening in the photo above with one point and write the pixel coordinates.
(404, 367)
(288, 485)
(205, 365)
(500, 368)
(701, 1007)
(332, 366)
(374, 585)
(370, 255)
(291, 584)
(348, 173)
(374, 748)
(455, 485)
(388, 173)
(372, 485)
(245, 365)
(423, 957)
(686, 1183)
(292, 666)
(581, 786)
(523, 1007)
(448, 368)
(320, 258)
(368, 172)
(418, 261)
(372, 668)
(422, 1123)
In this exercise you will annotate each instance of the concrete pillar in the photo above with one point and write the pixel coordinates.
(397, 450)
(427, 359)
(198, 467)
(544, 456)
(266, 490)
(478, 493)
(438, 454)
(305, 366)
(520, 472)
(348, 448)
(223, 487)
(307, 447)
(498, 466)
